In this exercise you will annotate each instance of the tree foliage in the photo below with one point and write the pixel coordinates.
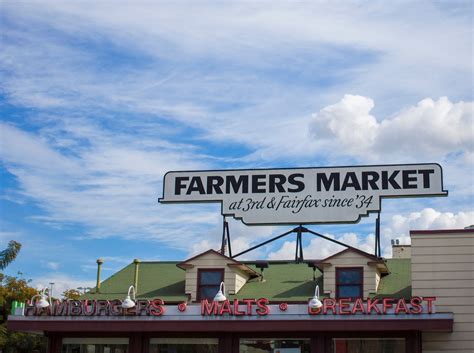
(72, 294)
(9, 254)
(19, 342)
(15, 288)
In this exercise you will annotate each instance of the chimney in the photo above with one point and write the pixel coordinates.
(99, 268)
(135, 279)
(400, 251)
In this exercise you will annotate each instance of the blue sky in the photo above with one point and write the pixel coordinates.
(100, 99)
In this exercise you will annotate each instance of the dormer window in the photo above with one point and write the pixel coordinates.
(358, 280)
(349, 282)
(208, 283)
(206, 271)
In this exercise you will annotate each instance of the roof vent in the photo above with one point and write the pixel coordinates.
(261, 265)
(314, 267)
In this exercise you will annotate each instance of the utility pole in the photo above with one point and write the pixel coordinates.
(51, 289)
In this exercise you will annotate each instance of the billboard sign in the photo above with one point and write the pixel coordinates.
(236, 308)
(303, 195)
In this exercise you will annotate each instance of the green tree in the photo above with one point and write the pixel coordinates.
(15, 288)
(72, 294)
(9, 254)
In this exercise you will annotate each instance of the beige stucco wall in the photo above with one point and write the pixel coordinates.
(240, 280)
(350, 259)
(443, 266)
(234, 279)
(401, 251)
(377, 279)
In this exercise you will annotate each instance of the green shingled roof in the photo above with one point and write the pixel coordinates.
(282, 282)
(398, 283)
(155, 279)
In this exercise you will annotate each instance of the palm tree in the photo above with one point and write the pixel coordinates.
(9, 254)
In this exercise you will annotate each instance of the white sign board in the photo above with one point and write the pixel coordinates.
(303, 195)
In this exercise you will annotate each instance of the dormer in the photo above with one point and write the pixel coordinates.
(352, 273)
(205, 272)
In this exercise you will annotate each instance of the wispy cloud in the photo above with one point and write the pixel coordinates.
(111, 188)
(53, 265)
(101, 99)
(6, 236)
(61, 282)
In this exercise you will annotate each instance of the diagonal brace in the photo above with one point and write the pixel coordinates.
(266, 242)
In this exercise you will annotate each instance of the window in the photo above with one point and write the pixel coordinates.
(208, 284)
(349, 282)
(269, 345)
(184, 345)
(368, 345)
(94, 345)
(94, 348)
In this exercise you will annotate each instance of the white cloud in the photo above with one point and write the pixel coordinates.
(6, 236)
(53, 265)
(111, 188)
(319, 248)
(242, 238)
(347, 124)
(203, 245)
(61, 282)
(117, 259)
(106, 130)
(428, 218)
(275, 65)
(398, 227)
(89, 268)
(238, 245)
(429, 130)
(21, 149)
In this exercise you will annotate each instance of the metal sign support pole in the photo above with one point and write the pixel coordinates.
(377, 236)
(226, 225)
(225, 243)
(299, 245)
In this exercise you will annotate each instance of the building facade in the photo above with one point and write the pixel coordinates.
(420, 300)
